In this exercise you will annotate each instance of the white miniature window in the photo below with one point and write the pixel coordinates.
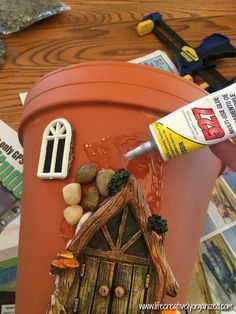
(55, 150)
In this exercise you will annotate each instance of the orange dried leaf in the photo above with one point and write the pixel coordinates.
(57, 263)
(70, 263)
(66, 254)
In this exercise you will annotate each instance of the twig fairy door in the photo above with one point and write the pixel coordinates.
(116, 268)
(122, 261)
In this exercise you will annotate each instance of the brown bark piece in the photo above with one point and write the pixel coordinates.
(110, 263)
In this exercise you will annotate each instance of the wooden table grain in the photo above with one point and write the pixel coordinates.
(104, 30)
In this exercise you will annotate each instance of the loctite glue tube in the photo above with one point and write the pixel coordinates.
(206, 121)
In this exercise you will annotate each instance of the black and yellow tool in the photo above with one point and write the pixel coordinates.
(192, 61)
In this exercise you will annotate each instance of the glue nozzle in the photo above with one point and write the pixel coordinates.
(140, 150)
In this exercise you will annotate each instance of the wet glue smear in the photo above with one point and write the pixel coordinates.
(207, 121)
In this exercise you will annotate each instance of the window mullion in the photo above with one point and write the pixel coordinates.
(52, 130)
(62, 129)
(54, 154)
(50, 137)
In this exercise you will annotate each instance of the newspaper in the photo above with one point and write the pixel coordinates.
(218, 241)
(11, 167)
(157, 59)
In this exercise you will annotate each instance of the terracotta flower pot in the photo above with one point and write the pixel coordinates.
(109, 106)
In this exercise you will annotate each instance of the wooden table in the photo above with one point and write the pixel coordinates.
(104, 30)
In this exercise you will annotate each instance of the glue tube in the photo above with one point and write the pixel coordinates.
(206, 121)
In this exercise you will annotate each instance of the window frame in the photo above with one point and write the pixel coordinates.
(55, 136)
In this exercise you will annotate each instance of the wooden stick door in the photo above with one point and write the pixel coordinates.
(115, 271)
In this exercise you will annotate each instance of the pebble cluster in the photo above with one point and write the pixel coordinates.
(79, 202)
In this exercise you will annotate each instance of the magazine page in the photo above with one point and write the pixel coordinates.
(11, 167)
(157, 59)
(218, 241)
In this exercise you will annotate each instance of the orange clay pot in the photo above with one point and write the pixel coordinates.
(109, 104)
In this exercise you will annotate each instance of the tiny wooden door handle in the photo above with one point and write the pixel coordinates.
(103, 291)
(119, 292)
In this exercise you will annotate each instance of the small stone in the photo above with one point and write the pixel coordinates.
(86, 173)
(103, 179)
(73, 214)
(72, 193)
(90, 199)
